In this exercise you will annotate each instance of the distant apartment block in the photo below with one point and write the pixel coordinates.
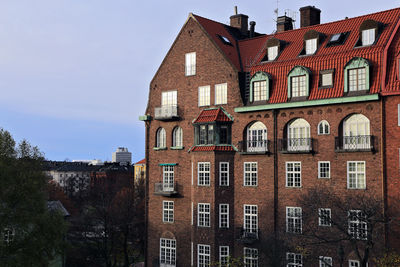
(122, 155)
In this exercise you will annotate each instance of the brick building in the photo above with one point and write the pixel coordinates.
(240, 125)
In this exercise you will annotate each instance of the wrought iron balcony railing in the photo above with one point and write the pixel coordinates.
(166, 113)
(296, 145)
(254, 147)
(248, 235)
(355, 143)
(166, 189)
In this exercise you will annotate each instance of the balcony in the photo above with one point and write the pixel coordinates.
(254, 147)
(166, 189)
(166, 113)
(359, 143)
(248, 236)
(296, 145)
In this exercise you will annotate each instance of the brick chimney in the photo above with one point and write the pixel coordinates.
(240, 21)
(309, 15)
(284, 23)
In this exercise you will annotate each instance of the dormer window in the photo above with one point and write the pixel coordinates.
(272, 50)
(368, 37)
(259, 87)
(369, 31)
(311, 46)
(272, 53)
(298, 82)
(356, 75)
(312, 40)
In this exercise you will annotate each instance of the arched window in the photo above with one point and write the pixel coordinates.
(257, 137)
(259, 87)
(299, 135)
(177, 137)
(356, 132)
(323, 127)
(356, 75)
(160, 138)
(299, 82)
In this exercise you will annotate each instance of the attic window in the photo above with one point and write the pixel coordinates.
(312, 41)
(369, 33)
(337, 39)
(272, 52)
(273, 48)
(311, 46)
(224, 39)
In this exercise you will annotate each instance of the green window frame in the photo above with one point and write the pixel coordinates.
(298, 71)
(357, 63)
(259, 77)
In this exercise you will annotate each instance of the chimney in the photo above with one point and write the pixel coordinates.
(252, 28)
(309, 15)
(284, 23)
(240, 21)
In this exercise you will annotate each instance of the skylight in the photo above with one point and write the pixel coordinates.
(335, 37)
(224, 39)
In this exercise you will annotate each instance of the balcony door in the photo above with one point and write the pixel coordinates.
(356, 132)
(168, 178)
(256, 137)
(299, 136)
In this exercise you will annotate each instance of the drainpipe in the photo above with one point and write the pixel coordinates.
(146, 218)
(275, 153)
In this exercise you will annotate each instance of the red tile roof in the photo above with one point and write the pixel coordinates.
(214, 29)
(251, 52)
(213, 115)
(143, 161)
(212, 148)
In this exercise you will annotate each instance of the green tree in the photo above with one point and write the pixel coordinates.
(30, 235)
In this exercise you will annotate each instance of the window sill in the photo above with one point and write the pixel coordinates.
(293, 187)
(325, 87)
(204, 185)
(251, 186)
(298, 98)
(189, 75)
(356, 188)
(200, 226)
(177, 147)
(168, 222)
(324, 178)
(159, 148)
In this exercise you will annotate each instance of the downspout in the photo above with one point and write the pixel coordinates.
(383, 131)
(275, 153)
(146, 218)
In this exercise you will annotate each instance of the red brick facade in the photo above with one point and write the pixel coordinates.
(216, 64)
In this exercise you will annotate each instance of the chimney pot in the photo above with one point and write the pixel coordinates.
(235, 10)
(252, 28)
(309, 15)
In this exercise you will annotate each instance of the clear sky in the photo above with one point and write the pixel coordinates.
(74, 74)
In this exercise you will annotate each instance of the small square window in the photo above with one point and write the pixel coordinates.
(326, 78)
(325, 261)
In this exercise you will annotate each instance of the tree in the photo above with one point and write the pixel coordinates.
(31, 235)
(350, 225)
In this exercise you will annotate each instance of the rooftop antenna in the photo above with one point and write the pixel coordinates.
(291, 14)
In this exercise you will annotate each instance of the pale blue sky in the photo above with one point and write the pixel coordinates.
(74, 74)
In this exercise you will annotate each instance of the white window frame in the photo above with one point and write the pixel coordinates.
(293, 177)
(356, 184)
(167, 252)
(322, 221)
(357, 227)
(161, 139)
(325, 128)
(250, 176)
(327, 79)
(298, 134)
(190, 64)
(177, 137)
(169, 99)
(297, 259)
(223, 215)
(203, 215)
(168, 178)
(223, 256)
(203, 255)
(311, 46)
(357, 79)
(168, 211)
(203, 173)
(324, 172)
(325, 261)
(204, 96)
(250, 219)
(259, 90)
(257, 137)
(250, 257)
(224, 174)
(221, 94)
(298, 85)
(272, 52)
(368, 36)
(354, 263)
(294, 220)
